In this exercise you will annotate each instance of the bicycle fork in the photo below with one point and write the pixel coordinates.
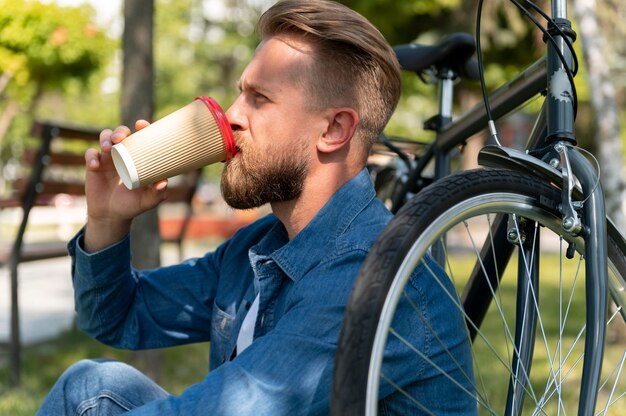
(560, 116)
(596, 266)
(585, 218)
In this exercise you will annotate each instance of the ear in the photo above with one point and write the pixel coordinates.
(341, 127)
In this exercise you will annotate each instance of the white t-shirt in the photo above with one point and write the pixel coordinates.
(246, 333)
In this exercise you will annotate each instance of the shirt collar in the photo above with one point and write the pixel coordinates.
(316, 241)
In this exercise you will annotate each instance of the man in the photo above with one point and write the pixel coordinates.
(320, 88)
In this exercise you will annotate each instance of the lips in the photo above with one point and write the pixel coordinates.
(239, 143)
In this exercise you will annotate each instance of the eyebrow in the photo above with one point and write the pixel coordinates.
(252, 87)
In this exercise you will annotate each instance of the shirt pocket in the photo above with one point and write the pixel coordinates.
(222, 343)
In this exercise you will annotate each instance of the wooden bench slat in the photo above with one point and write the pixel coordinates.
(55, 158)
(36, 251)
(57, 187)
(50, 170)
(70, 132)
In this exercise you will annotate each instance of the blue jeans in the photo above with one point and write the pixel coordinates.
(100, 387)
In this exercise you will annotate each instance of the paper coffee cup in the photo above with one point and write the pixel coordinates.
(192, 137)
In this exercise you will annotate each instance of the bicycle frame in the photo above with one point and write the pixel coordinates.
(558, 191)
(508, 97)
(551, 140)
(559, 118)
(450, 134)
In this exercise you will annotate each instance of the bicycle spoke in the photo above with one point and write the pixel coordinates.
(523, 326)
(498, 277)
(422, 356)
(549, 392)
(490, 241)
(606, 409)
(616, 400)
(534, 298)
(438, 339)
(405, 394)
(459, 307)
(524, 293)
(562, 321)
(496, 295)
(493, 349)
(476, 251)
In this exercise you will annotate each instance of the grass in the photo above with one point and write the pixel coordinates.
(495, 377)
(183, 366)
(43, 364)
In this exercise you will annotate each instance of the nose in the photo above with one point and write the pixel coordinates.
(236, 116)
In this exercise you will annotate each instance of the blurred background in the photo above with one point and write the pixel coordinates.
(97, 64)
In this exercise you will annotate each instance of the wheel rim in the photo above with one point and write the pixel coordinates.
(556, 355)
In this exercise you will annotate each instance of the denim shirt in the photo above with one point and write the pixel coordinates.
(303, 283)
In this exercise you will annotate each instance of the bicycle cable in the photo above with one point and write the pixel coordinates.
(481, 75)
(598, 170)
(569, 72)
(566, 38)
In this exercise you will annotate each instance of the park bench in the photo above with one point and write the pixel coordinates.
(52, 169)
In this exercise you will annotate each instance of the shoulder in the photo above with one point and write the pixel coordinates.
(365, 227)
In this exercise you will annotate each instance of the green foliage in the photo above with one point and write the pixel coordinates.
(200, 50)
(509, 43)
(44, 46)
(45, 51)
(199, 54)
(404, 21)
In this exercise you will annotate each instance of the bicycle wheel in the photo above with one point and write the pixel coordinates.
(423, 339)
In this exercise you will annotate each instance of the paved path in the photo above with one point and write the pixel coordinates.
(47, 298)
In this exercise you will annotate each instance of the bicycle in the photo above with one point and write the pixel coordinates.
(543, 252)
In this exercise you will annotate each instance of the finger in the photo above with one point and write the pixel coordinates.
(141, 124)
(160, 186)
(92, 159)
(105, 140)
(119, 134)
(155, 194)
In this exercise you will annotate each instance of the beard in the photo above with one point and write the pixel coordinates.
(253, 178)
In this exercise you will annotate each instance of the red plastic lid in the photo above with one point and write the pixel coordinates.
(222, 122)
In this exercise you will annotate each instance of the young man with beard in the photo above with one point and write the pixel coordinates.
(320, 88)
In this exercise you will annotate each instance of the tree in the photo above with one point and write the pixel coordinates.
(602, 95)
(606, 115)
(42, 48)
(137, 101)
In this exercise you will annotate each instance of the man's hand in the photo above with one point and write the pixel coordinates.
(111, 206)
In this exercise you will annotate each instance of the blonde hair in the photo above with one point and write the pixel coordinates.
(354, 65)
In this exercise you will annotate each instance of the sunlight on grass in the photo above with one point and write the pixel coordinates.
(44, 363)
(492, 375)
(183, 366)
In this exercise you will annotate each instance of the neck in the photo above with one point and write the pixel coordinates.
(319, 186)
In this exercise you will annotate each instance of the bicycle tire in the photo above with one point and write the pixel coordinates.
(462, 199)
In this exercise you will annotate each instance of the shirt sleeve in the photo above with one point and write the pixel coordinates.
(287, 371)
(132, 309)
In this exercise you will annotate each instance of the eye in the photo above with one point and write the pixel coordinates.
(258, 97)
